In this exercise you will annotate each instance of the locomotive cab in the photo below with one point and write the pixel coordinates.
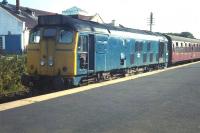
(50, 49)
(51, 54)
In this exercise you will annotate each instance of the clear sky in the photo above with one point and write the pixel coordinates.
(170, 15)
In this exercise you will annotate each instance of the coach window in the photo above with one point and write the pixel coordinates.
(35, 36)
(176, 44)
(189, 48)
(83, 44)
(196, 49)
(181, 48)
(65, 37)
(185, 47)
(189, 45)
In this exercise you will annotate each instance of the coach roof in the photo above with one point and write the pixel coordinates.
(183, 39)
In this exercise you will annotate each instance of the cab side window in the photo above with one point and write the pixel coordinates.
(83, 43)
(65, 37)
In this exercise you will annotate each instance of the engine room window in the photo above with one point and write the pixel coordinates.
(35, 37)
(83, 44)
(138, 46)
(50, 32)
(141, 46)
(148, 46)
(65, 37)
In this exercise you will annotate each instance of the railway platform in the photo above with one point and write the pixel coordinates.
(165, 102)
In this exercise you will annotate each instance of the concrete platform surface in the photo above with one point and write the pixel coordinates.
(168, 102)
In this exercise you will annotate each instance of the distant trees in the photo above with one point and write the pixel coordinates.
(183, 34)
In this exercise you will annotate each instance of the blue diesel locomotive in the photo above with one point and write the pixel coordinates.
(68, 51)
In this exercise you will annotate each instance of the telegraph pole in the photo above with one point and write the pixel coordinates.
(151, 21)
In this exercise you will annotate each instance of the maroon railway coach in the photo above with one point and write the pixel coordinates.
(183, 49)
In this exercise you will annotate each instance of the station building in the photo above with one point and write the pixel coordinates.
(15, 24)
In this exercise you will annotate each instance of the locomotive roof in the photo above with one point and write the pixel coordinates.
(183, 39)
(83, 25)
